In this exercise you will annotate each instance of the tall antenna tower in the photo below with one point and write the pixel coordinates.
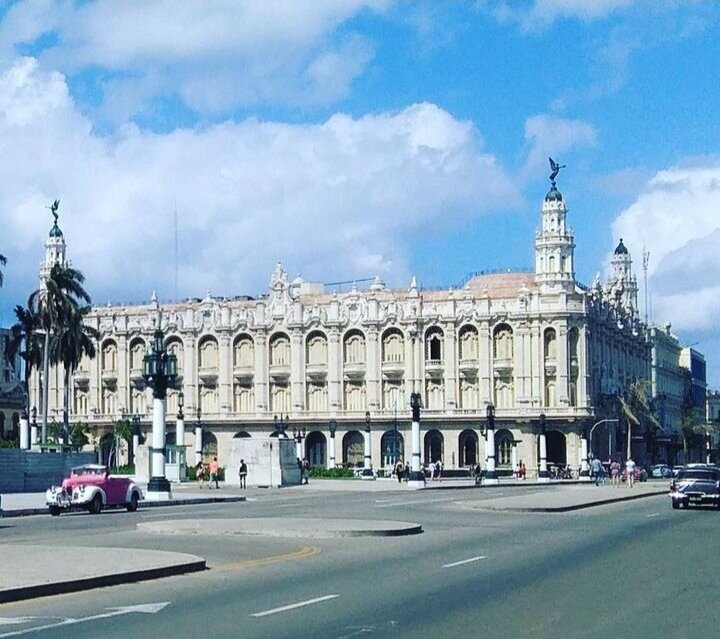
(646, 262)
(175, 296)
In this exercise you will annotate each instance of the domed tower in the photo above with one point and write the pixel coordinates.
(554, 243)
(622, 282)
(54, 248)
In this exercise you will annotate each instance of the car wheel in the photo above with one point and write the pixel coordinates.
(675, 504)
(54, 510)
(132, 505)
(95, 505)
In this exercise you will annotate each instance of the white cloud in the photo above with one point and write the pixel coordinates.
(332, 200)
(212, 54)
(547, 136)
(677, 217)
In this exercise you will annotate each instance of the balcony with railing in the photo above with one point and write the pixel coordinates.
(354, 370)
(434, 368)
(393, 369)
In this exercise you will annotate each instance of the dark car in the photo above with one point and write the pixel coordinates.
(696, 486)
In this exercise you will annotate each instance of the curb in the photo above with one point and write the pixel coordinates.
(564, 509)
(25, 512)
(89, 583)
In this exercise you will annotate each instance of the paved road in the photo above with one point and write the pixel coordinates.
(633, 569)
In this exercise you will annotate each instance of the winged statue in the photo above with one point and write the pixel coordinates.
(555, 168)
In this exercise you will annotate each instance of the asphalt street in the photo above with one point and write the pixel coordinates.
(637, 569)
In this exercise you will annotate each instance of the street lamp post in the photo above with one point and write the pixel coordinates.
(416, 479)
(543, 474)
(299, 435)
(33, 428)
(332, 427)
(160, 373)
(24, 430)
(180, 423)
(594, 426)
(367, 472)
(198, 436)
(708, 446)
(136, 436)
(280, 426)
(490, 476)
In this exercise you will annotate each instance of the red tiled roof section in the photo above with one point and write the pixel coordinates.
(502, 284)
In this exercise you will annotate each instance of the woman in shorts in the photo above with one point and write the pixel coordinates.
(615, 472)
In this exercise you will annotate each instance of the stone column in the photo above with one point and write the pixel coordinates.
(297, 367)
(262, 397)
(373, 369)
(417, 478)
(190, 371)
(514, 457)
(24, 432)
(485, 376)
(198, 443)
(331, 452)
(543, 475)
(123, 372)
(563, 362)
(584, 466)
(334, 366)
(490, 476)
(450, 368)
(225, 375)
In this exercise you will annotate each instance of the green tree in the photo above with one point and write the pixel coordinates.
(635, 407)
(56, 302)
(71, 342)
(79, 434)
(692, 430)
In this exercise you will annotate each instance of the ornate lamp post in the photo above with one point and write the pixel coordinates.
(367, 472)
(490, 476)
(198, 436)
(180, 423)
(33, 427)
(332, 427)
(298, 435)
(543, 474)
(160, 373)
(280, 426)
(584, 451)
(416, 478)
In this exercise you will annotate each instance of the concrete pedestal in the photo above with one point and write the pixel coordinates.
(271, 462)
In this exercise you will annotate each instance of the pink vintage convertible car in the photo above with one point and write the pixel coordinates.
(91, 487)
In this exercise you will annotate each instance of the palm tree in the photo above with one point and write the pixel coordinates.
(636, 408)
(69, 345)
(27, 341)
(3, 262)
(55, 302)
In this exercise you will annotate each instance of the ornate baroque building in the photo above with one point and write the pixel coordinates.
(529, 343)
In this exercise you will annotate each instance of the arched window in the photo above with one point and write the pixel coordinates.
(174, 346)
(435, 394)
(354, 396)
(550, 343)
(392, 395)
(434, 446)
(138, 350)
(280, 398)
(354, 347)
(468, 447)
(280, 350)
(469, 392)
(315, 448)
(109, 356)
(468, 339)
(551, 264)
(504, 392)
(316, 350)
(353, 447)
(434, 344)
(243, 398)
(503, 447)
(209, 446)
(392, 447)
(209, 400)
(317, 398)
(208, 352)
(393, 346)
(503, 342)
(243, 351)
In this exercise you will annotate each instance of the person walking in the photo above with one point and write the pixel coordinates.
(630, 470)
(200, 474)
(438, 470)
(406, 472)
(305, 469)
(615, 473)
(242, 473)
(214, 472)
(597, 470)
(399, 471)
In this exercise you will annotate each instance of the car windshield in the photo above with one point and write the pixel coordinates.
(699, 474)
(82, 471)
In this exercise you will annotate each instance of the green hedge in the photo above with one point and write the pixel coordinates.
(331, 473)
(128, 469)
(9, 443)
(192, 475)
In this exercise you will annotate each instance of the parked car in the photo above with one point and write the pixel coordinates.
(676, 470)
(696, 486)
(661, 470)
(92, 488)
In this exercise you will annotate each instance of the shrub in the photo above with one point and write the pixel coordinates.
(331, 473)
(128, 469)
(9, 443)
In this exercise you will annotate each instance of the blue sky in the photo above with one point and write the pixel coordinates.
(363, 137)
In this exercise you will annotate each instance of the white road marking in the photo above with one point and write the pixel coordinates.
(654, 515)
(14, 621)
(413, 502)
(300, 604)
(125, 610)
(464, 561)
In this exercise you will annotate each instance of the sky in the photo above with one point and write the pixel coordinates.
(354, 138)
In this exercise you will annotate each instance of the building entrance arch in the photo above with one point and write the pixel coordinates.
(556, 447)
(468, 447)
(353, 449)
(434, 446)
(392, 447)
(315, 448)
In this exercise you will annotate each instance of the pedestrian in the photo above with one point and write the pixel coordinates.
(399, 471)
(596, 468)
(438, 470)
(406, 472)
(242, 473)
(300, 468)
(306, 469)
(630, 470)
(432, 471)
(477, 473)
(522, 470)
(214, 472)
(615, 473)
(200, 474)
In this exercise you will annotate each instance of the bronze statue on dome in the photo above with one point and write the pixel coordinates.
(555, 168)
(54, 210)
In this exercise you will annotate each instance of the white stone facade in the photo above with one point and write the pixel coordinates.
(529, 343)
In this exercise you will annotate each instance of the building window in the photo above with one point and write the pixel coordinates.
(208, 356)
(280, 350)
(393, 346)
(434, 344)
(354, 347)
(243, 351)
(316, 349)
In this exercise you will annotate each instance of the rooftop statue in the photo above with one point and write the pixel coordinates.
(555, 168)
(54, 210)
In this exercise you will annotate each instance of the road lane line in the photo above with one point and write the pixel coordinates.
(305, 551)
(300, 604)
(464, 561)
(654, 515)
(413, 502)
